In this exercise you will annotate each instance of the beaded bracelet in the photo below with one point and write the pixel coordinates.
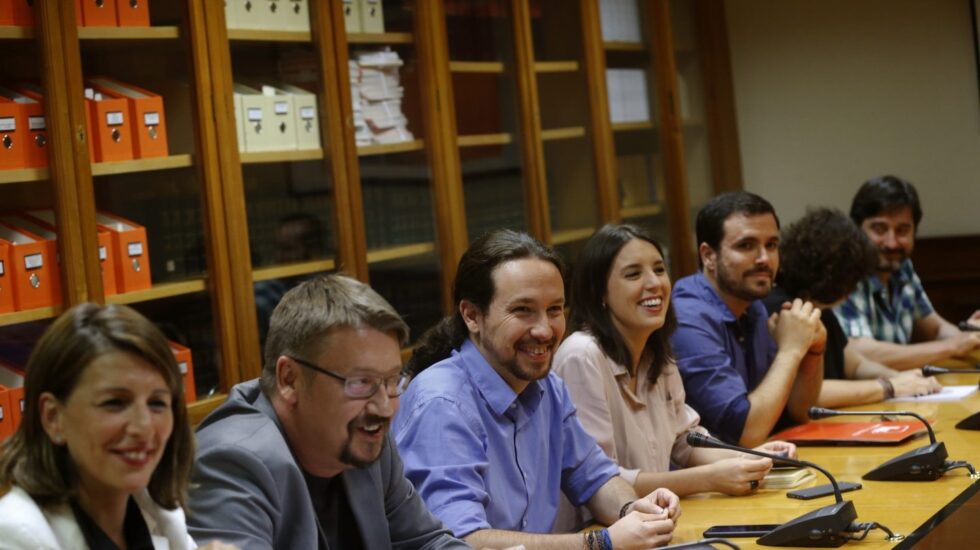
(625, 509)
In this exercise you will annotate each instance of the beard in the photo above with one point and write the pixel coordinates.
(527, 373)
(890, 259)
(739, 287)
(347, 454)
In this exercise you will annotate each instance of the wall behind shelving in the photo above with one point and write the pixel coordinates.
(831, 92)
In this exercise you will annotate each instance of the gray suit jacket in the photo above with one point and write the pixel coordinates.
(248, 489)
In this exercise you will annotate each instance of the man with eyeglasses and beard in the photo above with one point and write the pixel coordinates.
(301, 458)
(744, 370)
(888, 317)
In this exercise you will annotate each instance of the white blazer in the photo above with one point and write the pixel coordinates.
(26, 526)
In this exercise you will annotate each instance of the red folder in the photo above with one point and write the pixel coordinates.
(106, 254)
(31, 102)
(49, 236)
(12, 376)
(31, 271)
(6, 415)
(109, 128)
(6, 280)
(852, 433)
(132, 255)
(186, 364)
(146, 117)
(131, 13)
(18, 13)
(97, 13)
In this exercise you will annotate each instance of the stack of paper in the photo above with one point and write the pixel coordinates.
(787, 478)
(628, 97)
(620, 20)
(377, 95)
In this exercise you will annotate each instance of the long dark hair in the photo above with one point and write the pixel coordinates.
(589, 284)
(474, 283)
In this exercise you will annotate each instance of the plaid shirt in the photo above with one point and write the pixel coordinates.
(870, 312)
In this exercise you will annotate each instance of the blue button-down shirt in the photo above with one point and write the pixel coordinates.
(721, 358)
(483, 456)
(870, 312)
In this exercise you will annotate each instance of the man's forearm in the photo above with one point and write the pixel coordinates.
(606, 503)
(768, 399)
(901, 356)
(806, 387)
(843, 393)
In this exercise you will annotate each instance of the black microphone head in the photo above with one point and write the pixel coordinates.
(696, 439)
(820, 412)
(930, 370)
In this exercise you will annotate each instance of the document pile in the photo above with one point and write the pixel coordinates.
(377, 93)
(786, 477)
(628, 95)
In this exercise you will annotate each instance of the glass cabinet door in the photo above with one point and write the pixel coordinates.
(483, 67)
(396, 181)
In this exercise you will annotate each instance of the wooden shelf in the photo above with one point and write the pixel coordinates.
(556, 66)
(486, 67)
(165, 290)
(292, 270)
(632, 126)
(399, 252)
(256, 35)
(142, 165)
(128, 33)
(197, 410)
(381, 38)
(16, 33)
(616, 46)
(388, 148)
(571, 235)
(24, 174)
(478, 140)
(571, 132)
(641, 210)
(281, 156)
(38, 314)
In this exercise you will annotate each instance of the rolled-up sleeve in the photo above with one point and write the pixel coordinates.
(585, 467)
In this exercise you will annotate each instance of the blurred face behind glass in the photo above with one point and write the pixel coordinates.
(115, 425)
(524, 321)
(338, 432)
(638, 291)
(745, 265)
(893, 234)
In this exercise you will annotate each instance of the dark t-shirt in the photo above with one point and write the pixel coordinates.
(833, 357)
(135, 531)
(338, 528)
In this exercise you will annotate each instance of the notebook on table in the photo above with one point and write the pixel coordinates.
(890, 432)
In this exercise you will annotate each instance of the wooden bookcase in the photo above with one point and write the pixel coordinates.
(507, 103)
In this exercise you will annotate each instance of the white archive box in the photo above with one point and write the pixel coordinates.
(295, 15)
(352, 16)
(372, 16)
(231, 14)
(307, 120)
(239, 121)
(253, 14)
(267, 118)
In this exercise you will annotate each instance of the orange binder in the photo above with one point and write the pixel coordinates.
(32, 272)
(97, 13)
(12, 377)
(130, 248)
(106, 258)
(19, 13)
(50, 238)
(109, 128)
(6, 415)
(186, 365)
(890, 432)
(31, 102)
(13, 131)
(6, 285)
(145, 113)
(133, 13)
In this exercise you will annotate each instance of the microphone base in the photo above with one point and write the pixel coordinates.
(971, 422)
(922, 464)
(822, 528)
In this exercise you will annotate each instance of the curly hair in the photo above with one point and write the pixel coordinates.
(823, 256)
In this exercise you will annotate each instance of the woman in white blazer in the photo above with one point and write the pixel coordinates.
(103, 454)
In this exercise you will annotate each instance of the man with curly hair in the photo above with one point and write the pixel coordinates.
(823, 256)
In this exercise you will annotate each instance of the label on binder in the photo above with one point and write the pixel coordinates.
(307, 113)
(33, 261)
(103, 255)
(282, 108)
(151, 118)
(134, 249)
(114, 118)
(1, 267)
(36, 123)
(8, 124)
(254, 114)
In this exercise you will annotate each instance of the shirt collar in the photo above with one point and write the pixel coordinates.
(710, 295)
(492, 386)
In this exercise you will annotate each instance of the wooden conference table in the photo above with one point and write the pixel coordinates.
(904, 507)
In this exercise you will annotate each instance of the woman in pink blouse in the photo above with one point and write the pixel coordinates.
(627, 389)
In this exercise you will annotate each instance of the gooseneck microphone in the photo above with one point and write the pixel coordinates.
(971, 422)
(825, 527)
(926, 463)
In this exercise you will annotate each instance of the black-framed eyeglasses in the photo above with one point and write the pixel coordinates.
(364, 386)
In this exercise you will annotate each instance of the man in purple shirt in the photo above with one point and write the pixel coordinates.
(489, 435)
(741, 368)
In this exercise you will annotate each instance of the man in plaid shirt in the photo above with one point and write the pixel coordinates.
(888, 316)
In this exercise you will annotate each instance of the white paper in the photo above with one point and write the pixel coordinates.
(948, 393)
